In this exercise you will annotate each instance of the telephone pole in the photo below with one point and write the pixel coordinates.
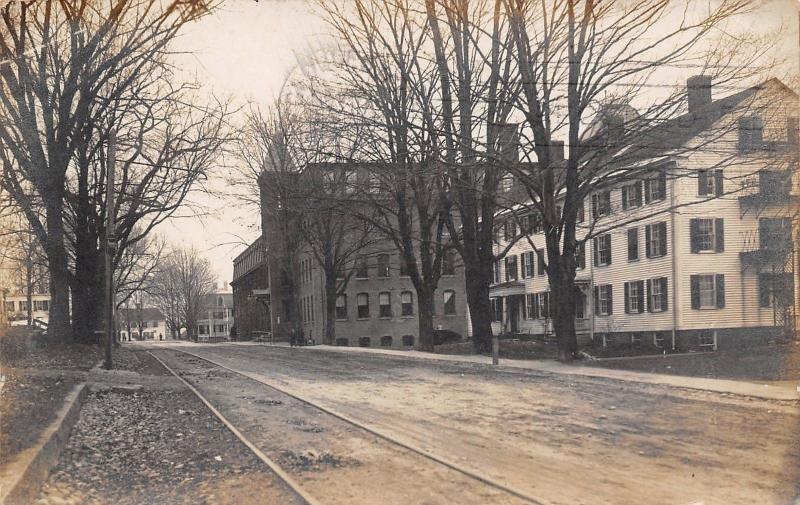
(111, 245)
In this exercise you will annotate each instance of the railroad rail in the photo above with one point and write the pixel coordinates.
(343, 417)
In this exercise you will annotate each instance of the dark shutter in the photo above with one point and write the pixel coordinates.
(720, 291)
(662, 231)
(607, 237)
(662, 185)
(702, 182)
(665, 292)
(524, 308)
(546, 304)
(694, 230)
(719, 231)
(624, 197)
(641, 296)
(595, 251)
(610, 293)
(633, 244)
(647, 191)
(597, 300)
(718, 183)
(647, 236)
(627, 299)
(580, 213)
(638, 187)
(594, 206)
(695, 287)
(649, 295)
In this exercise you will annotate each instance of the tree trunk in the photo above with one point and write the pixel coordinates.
(88, 295)
(425, 319)
(480, 308)
(330, 310)
(562, 308)
(58, 327)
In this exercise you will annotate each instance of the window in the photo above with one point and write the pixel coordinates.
(506, 183)
(509, 229)
(709, 182)
(448, 263)
(580, 305)
(601, 204)
(541, 264)
(580, 256)
(23, 305)
(581, 215)
(386, 341)
(707, 235)
(632, 195)
(708, 291)
(633, 244)
(496, 272)
(449, 299)
(511, 268)
(41, 305)
(751, 134)
(219, 314)
(219, 328)
(362, 302)
(407, 303)
(383, 265)
(656, 240)
(364, 342)
(527, 264)
(602, 250)
(385, 304)
(543, 299)
(657, 294)
(341, 307)
(531, 306)
(603, 302)
(10, 306)
(634, 297)
(775, 290)
(497, 309)
(655, 189)
(202, 329)
(219, 301)
(536, 223)
(362, 270)
(408, 340)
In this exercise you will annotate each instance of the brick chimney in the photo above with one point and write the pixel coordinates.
(508, 142)
(698, 92)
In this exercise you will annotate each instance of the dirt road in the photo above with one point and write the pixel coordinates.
(562, 439)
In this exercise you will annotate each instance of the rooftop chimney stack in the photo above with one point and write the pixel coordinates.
(508, 142)
(556, 150)
(698, 92)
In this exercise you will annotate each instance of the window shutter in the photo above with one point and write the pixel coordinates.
(610, 293)
(607, 237)
(719, 231)
(647, 236)
(597, 300)
(624, 197)
(594, 206)
(581, 253)
(702, 182)
(546, 305)
(720, 291)
(641, 296)
(694, 230)
(524, 308)
(695, 287)
(649, 295)
(633, 244)
(718, 183)
(595, 252)
(662, 185)
(627, 299)
(665, 293)
(662, 231)
(638, 187)
(580, 213)
(647, 191)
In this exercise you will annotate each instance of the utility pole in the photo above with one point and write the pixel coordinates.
(111, 245)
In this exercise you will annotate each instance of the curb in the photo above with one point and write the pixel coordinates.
(22, 478)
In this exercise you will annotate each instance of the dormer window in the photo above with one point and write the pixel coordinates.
(751, 134)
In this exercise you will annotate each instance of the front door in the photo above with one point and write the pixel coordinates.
(513, 314)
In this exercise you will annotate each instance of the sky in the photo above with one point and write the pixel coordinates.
(246, 50)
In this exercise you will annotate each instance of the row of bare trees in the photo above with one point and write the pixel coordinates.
(441, 100)
(71, 73)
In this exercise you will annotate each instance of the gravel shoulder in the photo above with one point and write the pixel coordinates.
(159, 446)
(564, 439)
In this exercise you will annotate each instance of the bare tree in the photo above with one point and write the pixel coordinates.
(57, 59)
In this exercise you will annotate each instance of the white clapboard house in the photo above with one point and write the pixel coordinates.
(715, 269)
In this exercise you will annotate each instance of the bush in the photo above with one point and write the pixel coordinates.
(445, 337)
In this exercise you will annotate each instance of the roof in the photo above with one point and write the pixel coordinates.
(143, 314)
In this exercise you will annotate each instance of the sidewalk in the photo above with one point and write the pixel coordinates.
(785, 390)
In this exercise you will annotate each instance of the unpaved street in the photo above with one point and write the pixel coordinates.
(562, 439)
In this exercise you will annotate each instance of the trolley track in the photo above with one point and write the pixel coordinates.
(425, 464)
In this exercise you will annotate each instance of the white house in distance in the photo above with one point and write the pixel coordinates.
(708, 272)
(216, 320)
(141, 323)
